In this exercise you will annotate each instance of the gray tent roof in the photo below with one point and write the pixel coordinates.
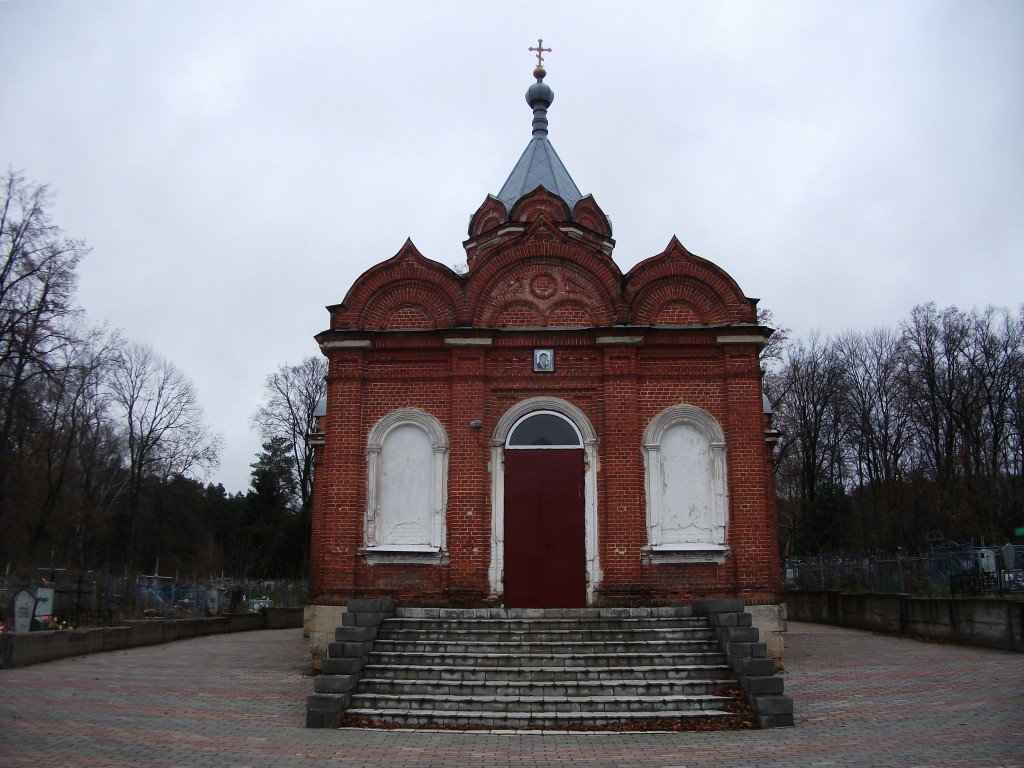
(539, 165)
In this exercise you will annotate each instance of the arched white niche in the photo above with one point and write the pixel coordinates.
(406, 488)
(687, 497)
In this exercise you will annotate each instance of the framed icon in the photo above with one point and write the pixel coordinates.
(544, 360)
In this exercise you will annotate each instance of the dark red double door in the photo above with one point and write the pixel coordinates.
(545, 553)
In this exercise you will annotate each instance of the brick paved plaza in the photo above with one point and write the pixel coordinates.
(239, 700)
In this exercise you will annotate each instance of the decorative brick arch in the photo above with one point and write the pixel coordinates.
(677, 285)
(674, 301)
(588, 213)
(407, 292)
(544, 267)
(516, 314)
(407, 304)
(540, 204)
(409, 317)
(489, 215)
(673, 311)
(557, 292)
(570, 314)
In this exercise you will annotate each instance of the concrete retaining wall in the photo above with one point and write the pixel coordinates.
(989, 623)
(19, 650)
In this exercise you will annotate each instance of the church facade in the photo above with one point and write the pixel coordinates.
(544, 430)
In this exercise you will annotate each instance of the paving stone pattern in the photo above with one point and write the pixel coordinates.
(239, 700)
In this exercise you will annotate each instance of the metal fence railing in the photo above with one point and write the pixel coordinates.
(958, 568)
(87, 599)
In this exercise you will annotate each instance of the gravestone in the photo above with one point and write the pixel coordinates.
(1009, 557)
(44, 602)
(212, 601)
(24, 605)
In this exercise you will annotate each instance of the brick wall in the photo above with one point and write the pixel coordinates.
(413, 334)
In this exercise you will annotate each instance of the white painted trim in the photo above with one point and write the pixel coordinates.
(457, 341)
(590, 469)
(603, 340)
(658, 550)
(531, 414)
(347, 344)
(439, 485)
(750, 339)
(410, 554)
(681, 553)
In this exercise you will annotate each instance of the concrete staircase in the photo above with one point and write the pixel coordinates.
(535, 668)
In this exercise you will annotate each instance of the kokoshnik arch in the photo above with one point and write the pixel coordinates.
(544, 431)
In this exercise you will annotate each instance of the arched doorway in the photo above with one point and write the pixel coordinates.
(544, 550)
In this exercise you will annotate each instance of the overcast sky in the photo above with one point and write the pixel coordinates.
(236, 165)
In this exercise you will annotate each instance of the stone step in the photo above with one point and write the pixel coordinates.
(538, 668)
(546, 613)
(514, 674)
(543, 625)
(621, 688)
(486, 648)
(484, 634)
(519, 705)
(520, 721)
(469, 661)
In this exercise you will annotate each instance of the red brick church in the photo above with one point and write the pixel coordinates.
(543, 430)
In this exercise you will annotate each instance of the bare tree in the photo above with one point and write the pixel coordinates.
(997, 365)
(293, 393)
(68, 399)
(1015, 449)
(774, 349)
(905, 432)
(37, 286)
(163, 424)
(810, 468)
(876, 415)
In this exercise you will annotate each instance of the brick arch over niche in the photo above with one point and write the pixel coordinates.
(488, 216)
(407, 305)
(516, 314)
(406, 292)
(588, 213)
(543, 292)
(678, 288)
(408, 317)
(669, 301)
(540, 204)
(567, 281)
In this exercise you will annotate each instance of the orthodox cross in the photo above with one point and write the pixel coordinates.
(541, 50)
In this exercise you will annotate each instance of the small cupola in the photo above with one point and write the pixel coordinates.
(539, 165)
